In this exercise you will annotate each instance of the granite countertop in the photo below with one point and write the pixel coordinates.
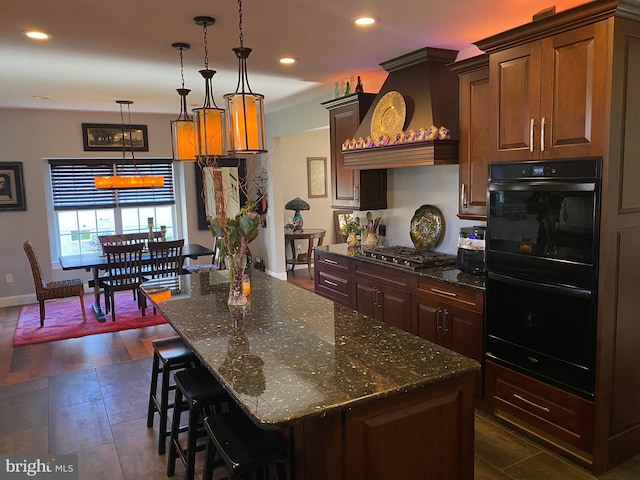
(291, 354)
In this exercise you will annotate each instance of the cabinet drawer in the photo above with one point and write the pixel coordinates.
(383, 275)
(553, 413)
(334, 286)
(336, 262)
(464, 297)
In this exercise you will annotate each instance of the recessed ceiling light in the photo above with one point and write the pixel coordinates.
(288, 60)
(41, 97)
(36, 35)
(365, 21)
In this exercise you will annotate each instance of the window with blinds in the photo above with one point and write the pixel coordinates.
(73, 189)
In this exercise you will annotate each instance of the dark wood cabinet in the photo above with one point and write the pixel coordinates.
(534, 404)
(352, 189)
(476, 146)
(575, 75)
(333, 277)
(547, 96)
(383, 294)
(451, 316)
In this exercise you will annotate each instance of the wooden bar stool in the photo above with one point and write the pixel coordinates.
(199, 393)
(169, 354)
(245, 448)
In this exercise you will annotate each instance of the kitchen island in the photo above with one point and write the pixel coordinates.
(360, 399)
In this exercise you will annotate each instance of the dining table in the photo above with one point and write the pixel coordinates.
(357, 398)
(95, 261)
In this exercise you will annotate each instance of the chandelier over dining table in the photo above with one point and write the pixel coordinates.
(119, 181)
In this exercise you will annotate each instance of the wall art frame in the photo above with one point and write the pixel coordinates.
(12, 195)
(317, 177)
(107, 137)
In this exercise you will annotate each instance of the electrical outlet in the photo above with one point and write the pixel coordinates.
(8, 278)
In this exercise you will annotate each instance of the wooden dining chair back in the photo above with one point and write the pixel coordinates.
(126, 238)
(124, 272)
(166, 258)
(55, 289)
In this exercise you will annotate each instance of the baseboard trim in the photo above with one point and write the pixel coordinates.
(18, 300)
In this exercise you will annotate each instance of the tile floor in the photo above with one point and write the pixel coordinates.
(88, 396)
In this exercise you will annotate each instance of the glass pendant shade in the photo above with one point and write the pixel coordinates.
(209, 128)
(209, 123)
(184, 142)
(245, 112)
(245, 122)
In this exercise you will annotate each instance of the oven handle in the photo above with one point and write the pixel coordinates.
(541, 286)
(524, 185)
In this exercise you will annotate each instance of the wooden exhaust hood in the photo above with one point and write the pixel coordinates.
(430, 92)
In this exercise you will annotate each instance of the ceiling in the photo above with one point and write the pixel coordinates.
(101, 51)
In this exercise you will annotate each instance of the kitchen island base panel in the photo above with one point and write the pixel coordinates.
(427, 433)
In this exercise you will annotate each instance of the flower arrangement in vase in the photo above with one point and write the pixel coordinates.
(233, 226)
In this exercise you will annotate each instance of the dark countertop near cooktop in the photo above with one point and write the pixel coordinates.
(447, 273)
(291, 354)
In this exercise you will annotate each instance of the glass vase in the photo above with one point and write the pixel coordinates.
(236, 265)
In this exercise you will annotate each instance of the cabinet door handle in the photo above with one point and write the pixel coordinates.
(333, 284)
(533, 122)
(445, 319)
(463, 195)
(328, 260)
(439, 319)
(533, 404)
(444, 292)
(542, 124)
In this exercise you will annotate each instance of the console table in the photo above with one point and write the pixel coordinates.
(309, 234)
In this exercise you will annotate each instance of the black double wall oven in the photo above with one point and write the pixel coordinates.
(543, 224)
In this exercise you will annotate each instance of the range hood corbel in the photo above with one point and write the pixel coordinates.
(430, 90)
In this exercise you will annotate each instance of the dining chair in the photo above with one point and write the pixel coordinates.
(124, 272)
(127, 239)
(55, 289)
(166, 261)
(166, 258)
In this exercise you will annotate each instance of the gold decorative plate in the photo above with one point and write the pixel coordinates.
(388, 116)
(427, 227)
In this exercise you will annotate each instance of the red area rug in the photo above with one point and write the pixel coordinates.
(64, 320)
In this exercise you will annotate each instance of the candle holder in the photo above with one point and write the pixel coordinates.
(150, 225)
(163, 232)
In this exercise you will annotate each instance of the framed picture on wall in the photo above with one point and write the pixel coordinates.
(108, 137)
(12, 186)
(317, 177)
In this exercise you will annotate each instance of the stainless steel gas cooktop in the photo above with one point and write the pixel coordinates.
(409, 258)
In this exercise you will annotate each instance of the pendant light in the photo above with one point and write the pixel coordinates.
(209, 121)
(245, 109)
(182, 129)
(128, 181)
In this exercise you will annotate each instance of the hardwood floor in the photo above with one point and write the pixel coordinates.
(88, 396)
